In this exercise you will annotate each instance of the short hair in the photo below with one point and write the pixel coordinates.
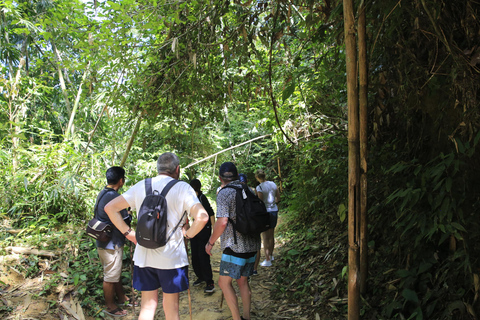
(167, 163)
(114, 174)
(196, 185)
(260, 173)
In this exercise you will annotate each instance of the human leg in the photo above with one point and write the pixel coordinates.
(149, 305)
(246, 295)
(196, 248)
(257, 261)
(225, 283)
(271, 242)
(112, 268)
(170, 306)
(266, 244)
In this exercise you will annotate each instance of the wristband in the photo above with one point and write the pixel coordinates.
(127, 232)
(210, 243)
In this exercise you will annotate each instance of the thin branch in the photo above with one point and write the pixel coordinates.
(225, 150)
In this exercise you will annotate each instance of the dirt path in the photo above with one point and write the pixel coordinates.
(207, 306)
(20, 299)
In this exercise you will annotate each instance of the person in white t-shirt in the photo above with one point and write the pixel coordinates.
(165, 267)
(268, 192)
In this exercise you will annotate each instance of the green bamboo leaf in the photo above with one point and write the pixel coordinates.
(458, 226)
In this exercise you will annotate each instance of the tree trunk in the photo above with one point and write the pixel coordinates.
(353, 162)
(363, 115)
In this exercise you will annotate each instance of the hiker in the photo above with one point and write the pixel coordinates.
(237, 258)
(165, 267)
(111, 252)
(200, 259)
(268, 192)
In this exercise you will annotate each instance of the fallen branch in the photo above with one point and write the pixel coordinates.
(21, 250)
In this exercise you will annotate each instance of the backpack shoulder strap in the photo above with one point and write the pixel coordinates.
(148, 186)
(98, 201)
(168, 187)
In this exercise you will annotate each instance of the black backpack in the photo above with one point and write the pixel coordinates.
(252, 215)
(151, 229)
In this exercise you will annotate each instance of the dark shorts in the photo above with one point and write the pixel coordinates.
(273, 219)
(171, 280)
(236, 265)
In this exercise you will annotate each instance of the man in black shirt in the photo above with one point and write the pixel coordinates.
(111, 252)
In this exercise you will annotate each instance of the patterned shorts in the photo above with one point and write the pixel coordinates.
(236, 265)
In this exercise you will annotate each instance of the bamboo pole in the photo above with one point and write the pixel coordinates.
(77, 102)
(58, 59)
(353, 161)
(363, 115)
(225, 150)
(132, 138)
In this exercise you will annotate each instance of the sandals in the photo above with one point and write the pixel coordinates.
(118, 312)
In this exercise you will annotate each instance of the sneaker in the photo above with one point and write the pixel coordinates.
(272, 258)
(197, 282)
(266, 263)
(209, 288)
(255, 273)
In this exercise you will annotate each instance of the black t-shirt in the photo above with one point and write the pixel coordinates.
(206, 204)
(105, 196)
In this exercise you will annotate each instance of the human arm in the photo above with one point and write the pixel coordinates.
(218, 229)
(113, 209)
(277, 196)
(200, 219)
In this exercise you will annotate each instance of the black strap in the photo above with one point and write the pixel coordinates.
(96, 203)
(148, 187)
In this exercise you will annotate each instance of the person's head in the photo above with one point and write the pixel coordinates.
(115, 175)
(228, 172)
(169, 164)
(196, 185)
(243, 178)
(260, 175)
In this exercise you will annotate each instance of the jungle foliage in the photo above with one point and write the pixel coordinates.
(199, 77)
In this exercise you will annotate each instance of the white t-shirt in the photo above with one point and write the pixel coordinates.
(180, 198)
(269, 190)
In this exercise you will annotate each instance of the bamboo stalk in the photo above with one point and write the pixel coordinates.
(77, 102)
(132, 138)
(353, 161)
(363, 115)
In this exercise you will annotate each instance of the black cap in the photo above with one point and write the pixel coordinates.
(242, 177)
(228, 170)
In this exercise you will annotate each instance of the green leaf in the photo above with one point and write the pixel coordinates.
(410, 295)
(288, 91)
(293, 252)
(458, 226)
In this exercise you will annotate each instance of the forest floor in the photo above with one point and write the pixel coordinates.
(22, 298)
